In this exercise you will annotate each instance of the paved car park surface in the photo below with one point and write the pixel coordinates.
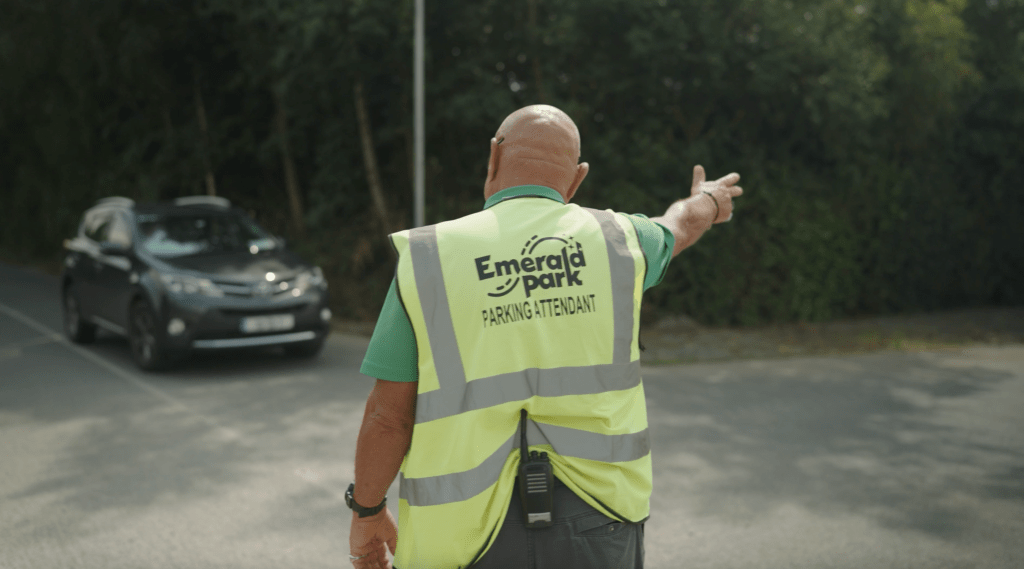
(240, 459)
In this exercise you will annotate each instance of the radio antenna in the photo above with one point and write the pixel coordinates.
(523, 454)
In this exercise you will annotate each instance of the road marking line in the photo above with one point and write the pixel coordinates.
(38, 341)
(119, 371)
(15, 350)
(131, 378)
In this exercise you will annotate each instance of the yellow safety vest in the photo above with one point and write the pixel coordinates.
(529, 304)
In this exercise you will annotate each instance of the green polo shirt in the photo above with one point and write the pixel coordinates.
(392, 355)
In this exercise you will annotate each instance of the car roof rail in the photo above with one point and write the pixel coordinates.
(215, 201)
(116, 200)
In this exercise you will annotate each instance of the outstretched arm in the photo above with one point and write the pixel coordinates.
(709, 203)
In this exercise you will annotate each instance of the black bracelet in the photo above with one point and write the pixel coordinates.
(717, 211)
(363, 511)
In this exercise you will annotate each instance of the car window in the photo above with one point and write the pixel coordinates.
(178, 234)
(96, 225)
(120, 231)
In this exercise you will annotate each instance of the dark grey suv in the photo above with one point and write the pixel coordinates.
(194, 274)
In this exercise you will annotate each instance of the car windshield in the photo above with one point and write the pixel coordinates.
(179, 234)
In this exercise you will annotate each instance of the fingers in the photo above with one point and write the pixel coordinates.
(725, 195)
(382, 556)
(728, 180)
(380, 553)
(373, 536)
(376, 558)
(371, 555)
(723, 190)
(698, 179)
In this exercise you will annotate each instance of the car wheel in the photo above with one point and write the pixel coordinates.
(76, 329)
(148, 349)
(308, 349)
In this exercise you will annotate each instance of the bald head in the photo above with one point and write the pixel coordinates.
(537, 145)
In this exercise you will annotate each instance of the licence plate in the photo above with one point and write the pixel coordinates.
(275, 323)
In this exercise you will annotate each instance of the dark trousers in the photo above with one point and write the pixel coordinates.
(580, 537)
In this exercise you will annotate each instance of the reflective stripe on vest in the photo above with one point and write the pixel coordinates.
(435, 490)
(426, 262)
(622, 269)
(520, 385)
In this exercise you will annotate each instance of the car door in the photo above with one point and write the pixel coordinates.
(113, 274)
(95, 226)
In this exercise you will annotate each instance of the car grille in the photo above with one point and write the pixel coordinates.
(235, 290)
(256, 311)
(259, 290)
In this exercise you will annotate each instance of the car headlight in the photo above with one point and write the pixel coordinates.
(184, 284)
(310, 279)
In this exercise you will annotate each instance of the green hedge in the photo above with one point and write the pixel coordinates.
(880, 143)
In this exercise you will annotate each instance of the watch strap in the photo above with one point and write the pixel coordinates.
(363, 511)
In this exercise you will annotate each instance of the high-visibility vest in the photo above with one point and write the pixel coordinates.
(529, 304)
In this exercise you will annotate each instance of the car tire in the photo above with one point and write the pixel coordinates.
(306, 350)
(75, 327)
(144, 335)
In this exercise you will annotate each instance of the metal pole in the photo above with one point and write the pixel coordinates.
(418, 186)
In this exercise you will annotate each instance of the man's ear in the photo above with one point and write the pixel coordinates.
(492, 162)
(581, 172)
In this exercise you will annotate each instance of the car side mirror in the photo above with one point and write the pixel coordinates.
(114, 249)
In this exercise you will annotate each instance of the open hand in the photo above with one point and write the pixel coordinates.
(723, 190)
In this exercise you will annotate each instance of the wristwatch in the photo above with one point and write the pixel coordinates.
(361, 510)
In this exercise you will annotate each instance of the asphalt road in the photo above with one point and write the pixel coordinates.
(240, 460)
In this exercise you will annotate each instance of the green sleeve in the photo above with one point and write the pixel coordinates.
(657, 243)
(391, 354)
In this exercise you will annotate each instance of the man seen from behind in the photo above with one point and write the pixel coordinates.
(507, 361)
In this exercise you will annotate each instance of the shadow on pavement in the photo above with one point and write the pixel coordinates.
(104, 448)
(897, 438)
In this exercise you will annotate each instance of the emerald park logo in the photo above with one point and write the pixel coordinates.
(535, 270)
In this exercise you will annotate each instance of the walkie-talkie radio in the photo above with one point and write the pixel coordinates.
(536, 483)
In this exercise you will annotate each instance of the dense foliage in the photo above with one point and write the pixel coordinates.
(880, 142)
